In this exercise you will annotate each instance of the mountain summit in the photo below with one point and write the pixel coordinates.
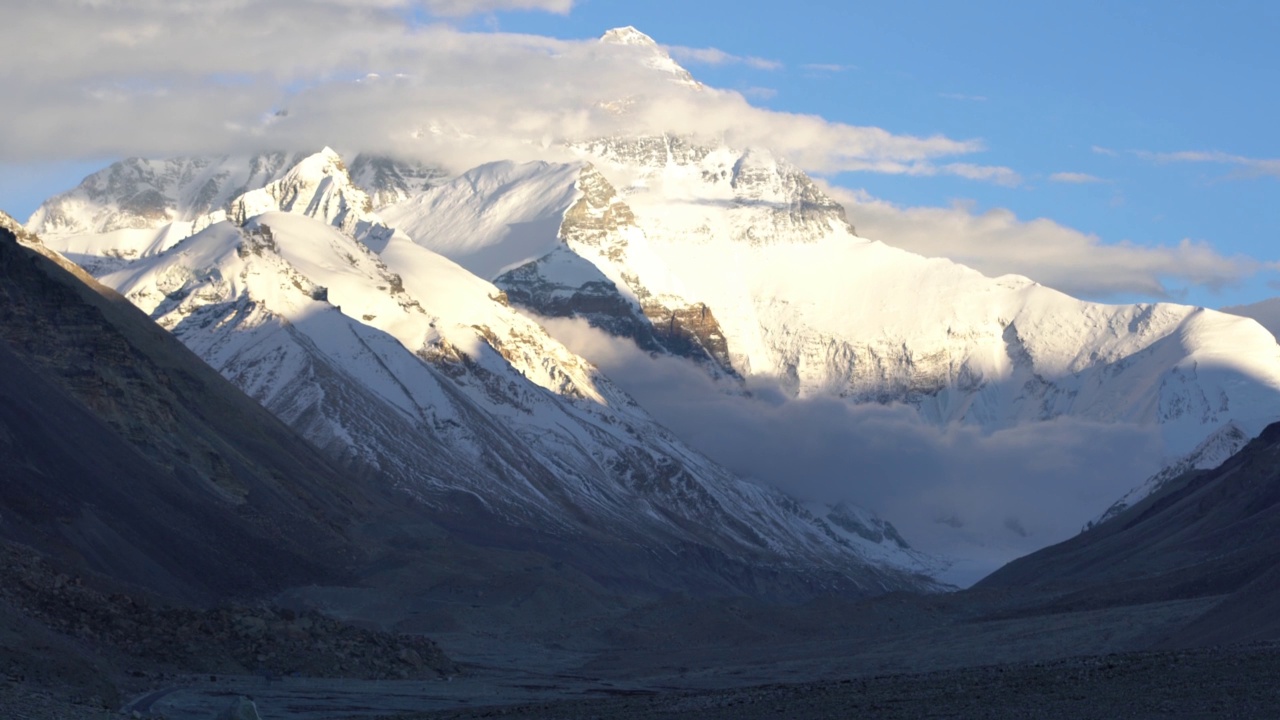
(628, 36)
(651, 53)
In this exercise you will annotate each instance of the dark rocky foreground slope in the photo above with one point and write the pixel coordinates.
(1208, 533)
(1170, 609)
(138, 490)
(125, 455)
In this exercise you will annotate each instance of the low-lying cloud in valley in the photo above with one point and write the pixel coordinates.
(982, 498)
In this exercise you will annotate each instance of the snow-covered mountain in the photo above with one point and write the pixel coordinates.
(738, 261)
(398, 362)
(765, 275)
(728, 257)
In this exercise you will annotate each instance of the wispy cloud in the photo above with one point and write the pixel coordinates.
(1075, 178)
(763, 93)
(1247, 166)
(1100, 150)
(990, 173)
(715, 56)
(997, 242)
(997, 174)
(828, 67)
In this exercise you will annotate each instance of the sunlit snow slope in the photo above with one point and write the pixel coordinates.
(798, 299)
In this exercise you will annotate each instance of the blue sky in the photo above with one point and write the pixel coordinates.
(1140, 125)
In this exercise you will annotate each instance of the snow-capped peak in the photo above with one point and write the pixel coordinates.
(628, 36)
(7, 222)
(326, 163)
(318, 186)
(1208, 455)
(401, 364)
(653, 54)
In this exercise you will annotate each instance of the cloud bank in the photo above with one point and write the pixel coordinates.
(144, 77)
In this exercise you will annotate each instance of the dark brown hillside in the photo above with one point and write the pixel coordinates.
(122, 451)
(135, 483)
(1207, 533)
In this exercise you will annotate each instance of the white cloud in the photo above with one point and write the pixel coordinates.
(998, 243)
(1075, 178)
(102, 80)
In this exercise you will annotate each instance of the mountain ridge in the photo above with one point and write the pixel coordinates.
(273, 297)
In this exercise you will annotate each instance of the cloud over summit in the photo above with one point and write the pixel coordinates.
(149, 78)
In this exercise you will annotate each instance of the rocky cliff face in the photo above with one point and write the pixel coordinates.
(600, 237)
